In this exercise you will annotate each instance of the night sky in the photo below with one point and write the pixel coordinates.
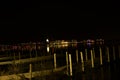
(33, 21)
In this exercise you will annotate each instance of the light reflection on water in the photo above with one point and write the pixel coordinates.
(48, 48)
(63, 45)
(52, 47)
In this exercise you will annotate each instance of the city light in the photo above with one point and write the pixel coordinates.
(47, 40)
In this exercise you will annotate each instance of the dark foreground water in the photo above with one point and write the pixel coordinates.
(109, 71)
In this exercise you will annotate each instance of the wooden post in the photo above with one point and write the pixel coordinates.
(113, 52)
(92, 59)
(86, 56)
(108, 56)
(82, 61)
(30, 71)
(101, 61)
(77, 56)
(70, 61)
(67, 64)
(55, 65)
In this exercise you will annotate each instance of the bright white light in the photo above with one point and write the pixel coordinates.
(48, 48)
(47, 40)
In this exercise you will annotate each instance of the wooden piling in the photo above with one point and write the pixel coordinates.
(77, 56)
(82, 61)
(55, 65)
(92, 59)
(70, 61)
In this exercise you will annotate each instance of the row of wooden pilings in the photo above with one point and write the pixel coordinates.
(84, 58)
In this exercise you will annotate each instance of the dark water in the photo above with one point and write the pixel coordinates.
(106, 72)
